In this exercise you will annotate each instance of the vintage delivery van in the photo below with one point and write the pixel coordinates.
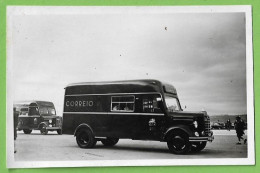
(136, 109)
(38, 115)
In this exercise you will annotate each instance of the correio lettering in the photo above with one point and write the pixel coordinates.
(79, 103)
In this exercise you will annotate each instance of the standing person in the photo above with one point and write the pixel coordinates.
(228, 124)
(239, 126)
(16, 114)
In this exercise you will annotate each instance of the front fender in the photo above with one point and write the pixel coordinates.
(46, 124)
(184, 128)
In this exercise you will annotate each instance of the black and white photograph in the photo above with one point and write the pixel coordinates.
(93, 86)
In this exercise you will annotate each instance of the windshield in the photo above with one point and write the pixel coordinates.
(172, 104)
(47, 111)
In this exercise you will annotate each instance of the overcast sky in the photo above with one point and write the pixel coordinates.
(202, 54)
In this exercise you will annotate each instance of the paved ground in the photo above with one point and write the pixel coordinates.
(53, 147)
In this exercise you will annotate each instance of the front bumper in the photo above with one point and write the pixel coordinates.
(209, 138)
(53, 128)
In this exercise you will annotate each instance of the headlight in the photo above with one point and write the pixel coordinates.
(195, 123)
(35, 120)
(50, 121)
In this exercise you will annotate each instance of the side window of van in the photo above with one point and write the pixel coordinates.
(122, 103)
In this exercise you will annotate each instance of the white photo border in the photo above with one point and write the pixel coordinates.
(32, 10)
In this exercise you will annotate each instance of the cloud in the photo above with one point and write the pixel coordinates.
(203, 55)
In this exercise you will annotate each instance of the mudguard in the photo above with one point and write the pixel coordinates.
(84, 125)
(41, 124)
(184, 128)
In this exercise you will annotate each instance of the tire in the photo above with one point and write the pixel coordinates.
(43, 129)
(198, 146)
(178, 142)
(85, 138)
(27, 131)
(110, 141)
(59, 131)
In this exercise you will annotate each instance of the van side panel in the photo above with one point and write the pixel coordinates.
(91, 103)
(98, 122)
(86, 109)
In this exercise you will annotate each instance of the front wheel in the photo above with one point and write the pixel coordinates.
(110, 141)
(198, 146)
(85, 138)
(178, 142)
(43, 129)
(27, 131)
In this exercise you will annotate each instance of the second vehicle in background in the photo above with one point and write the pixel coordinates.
(38, 115)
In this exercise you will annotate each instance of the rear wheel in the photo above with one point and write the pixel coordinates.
(198, 146)
(178, 142)
(85, 138)
(110, 141)
(43, 129)
(27, 131)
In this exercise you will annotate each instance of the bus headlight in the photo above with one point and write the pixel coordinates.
(35, 120)
(202, 133)
(195, 123)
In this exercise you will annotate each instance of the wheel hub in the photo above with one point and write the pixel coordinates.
(178, 143)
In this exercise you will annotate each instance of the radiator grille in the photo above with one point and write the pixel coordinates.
(207, 125)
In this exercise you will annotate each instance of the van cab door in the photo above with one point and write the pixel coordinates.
(152, 119)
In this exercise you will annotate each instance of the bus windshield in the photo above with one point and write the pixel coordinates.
(172, 104)
(47, 111)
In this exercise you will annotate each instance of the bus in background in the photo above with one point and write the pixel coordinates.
(38, 115)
